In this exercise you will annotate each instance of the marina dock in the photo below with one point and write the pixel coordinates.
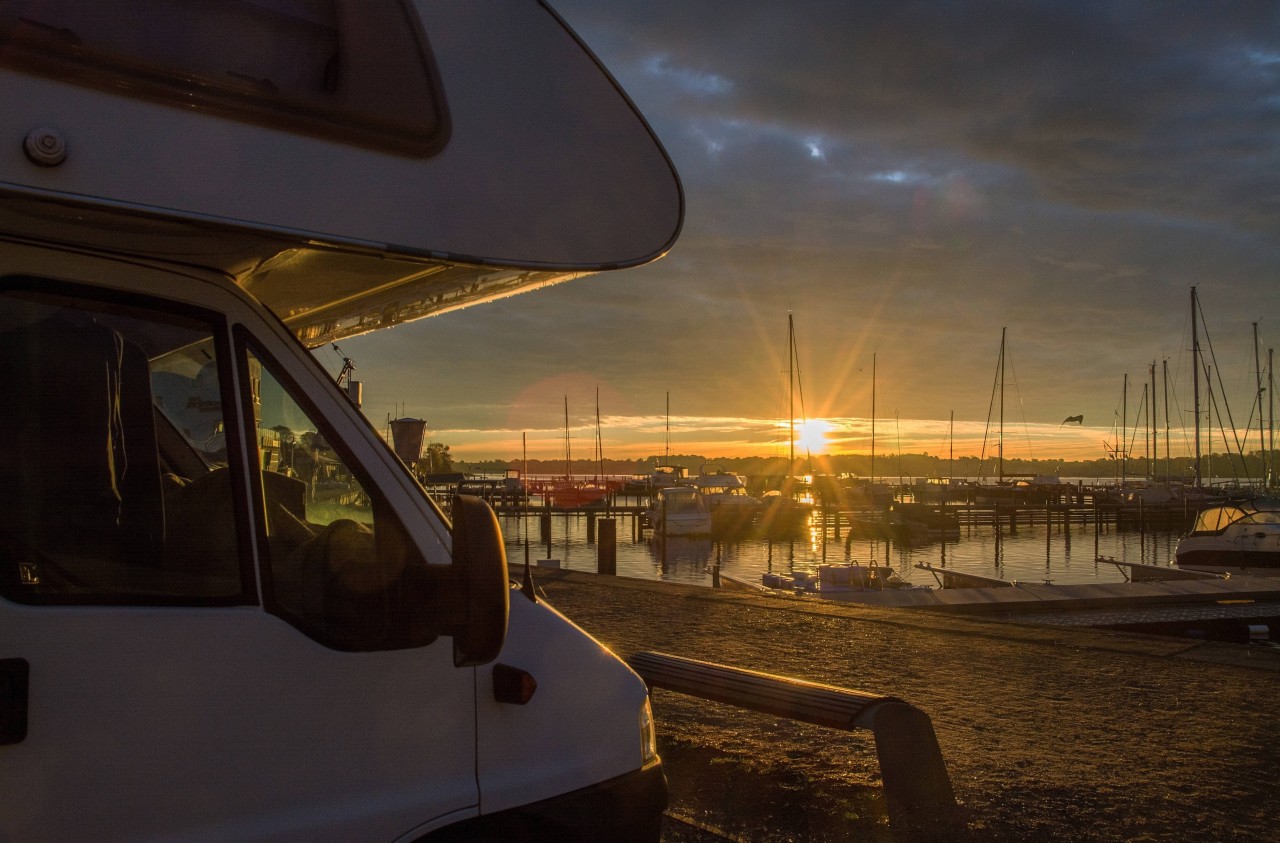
(1177, 606)
(837, 518)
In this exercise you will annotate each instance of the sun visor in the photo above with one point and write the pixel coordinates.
(437, 132)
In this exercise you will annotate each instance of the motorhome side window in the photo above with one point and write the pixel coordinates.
(112, 452)
(341, 566)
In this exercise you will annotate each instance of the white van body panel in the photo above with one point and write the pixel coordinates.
(227, 724)
(561, 737)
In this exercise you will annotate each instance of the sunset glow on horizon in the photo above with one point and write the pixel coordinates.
(638, 438)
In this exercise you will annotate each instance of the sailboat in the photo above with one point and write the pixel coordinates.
(782, 512)
(1001, 491)
(1242, 536)
(568, 494)
(869, 493)
(664, 475)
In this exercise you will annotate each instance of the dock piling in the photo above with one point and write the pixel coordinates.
(607, 547)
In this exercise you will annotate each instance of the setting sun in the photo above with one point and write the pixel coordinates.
(811, 435)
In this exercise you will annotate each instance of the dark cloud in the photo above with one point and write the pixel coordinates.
(1162, 106)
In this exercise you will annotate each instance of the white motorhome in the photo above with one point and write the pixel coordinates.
(227, 611)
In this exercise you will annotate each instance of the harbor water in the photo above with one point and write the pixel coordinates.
(1032, 553)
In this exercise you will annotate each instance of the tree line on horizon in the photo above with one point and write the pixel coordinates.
(1219, 465)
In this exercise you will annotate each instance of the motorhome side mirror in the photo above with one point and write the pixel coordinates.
(480, 574)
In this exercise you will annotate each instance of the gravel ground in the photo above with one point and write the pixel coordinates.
(1049, 733)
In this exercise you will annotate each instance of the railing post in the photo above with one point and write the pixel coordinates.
(917, 789)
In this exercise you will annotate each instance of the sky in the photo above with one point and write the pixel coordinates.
(906, 180)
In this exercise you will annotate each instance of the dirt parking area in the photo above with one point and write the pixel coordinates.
(1049, 734)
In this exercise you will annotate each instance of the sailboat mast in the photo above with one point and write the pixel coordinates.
(1271, 415)
(1145, 406)
(1124, 430)
(1000, 441)
(1208, 379)
(599, 441)
(791, 388)
(873, 422)
(1262, 439)
(897, 431)
(1153, 418)
(523, 491)
(1168, 462)
(666, 454)
(568, 457)
(1195, 382)
(951, 439)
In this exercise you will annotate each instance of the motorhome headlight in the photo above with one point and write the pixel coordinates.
(648, 738)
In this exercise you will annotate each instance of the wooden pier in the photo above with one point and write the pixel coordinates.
(836, 525)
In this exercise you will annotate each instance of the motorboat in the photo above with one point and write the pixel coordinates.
(831, 580)
(680, 511)
(662, 477)
(722, 488)
(725, 493)
(1239, 537)
(861, 493)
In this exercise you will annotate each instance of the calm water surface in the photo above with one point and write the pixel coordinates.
(1032, 554)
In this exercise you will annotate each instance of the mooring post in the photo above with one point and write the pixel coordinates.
(591, 528)
(607, 547)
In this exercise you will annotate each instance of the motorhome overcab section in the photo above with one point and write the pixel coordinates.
(226, 610)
